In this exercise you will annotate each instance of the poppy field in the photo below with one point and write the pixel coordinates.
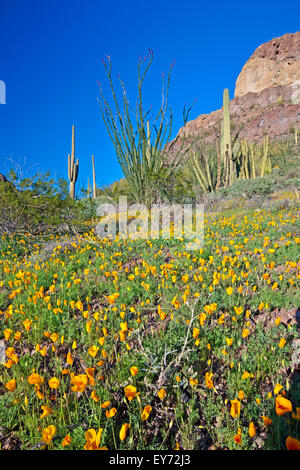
(140, 344)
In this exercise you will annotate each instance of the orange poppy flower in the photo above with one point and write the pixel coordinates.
(238, 437)
(67, 441)
(79, 382)
(35, 379)
(11, 385)
(111, 413)
(146, 412)
(292, 443)
(130, 392)
(282, 405)
(208, 381)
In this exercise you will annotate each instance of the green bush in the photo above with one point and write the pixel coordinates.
(87, 207)
(35, 204)
(249, 187)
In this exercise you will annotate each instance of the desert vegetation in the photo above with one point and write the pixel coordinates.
(139, 344)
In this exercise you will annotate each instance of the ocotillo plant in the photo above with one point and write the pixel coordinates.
(265, 156)
(252, 160)
(94, 178)
(219, 166)
(243, 165)
(73, 167)
(206, 166)
(201, 176)
(143, 153)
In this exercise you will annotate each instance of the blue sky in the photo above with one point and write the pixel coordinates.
(51, 55)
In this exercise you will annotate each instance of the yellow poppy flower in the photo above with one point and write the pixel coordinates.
(133, 370)
(48, 434)
(130, 392)
(252, 430)
(146, 412)
(124, 430)
(235, 408)
(54, 383)
(93, 350)
(161, 393)
(46, 411)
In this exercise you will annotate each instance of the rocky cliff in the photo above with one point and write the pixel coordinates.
(275, 63)
(267, 95)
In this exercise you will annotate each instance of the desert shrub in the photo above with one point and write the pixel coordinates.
(111, 193)
(249, 187)
(87, 208)
(35, 204)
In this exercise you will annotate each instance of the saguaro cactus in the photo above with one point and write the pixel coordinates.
(89, 188)
(73, 167)
(94, 178)
(227, 155)
(226, 143)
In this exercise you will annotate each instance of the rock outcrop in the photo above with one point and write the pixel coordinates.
(275, 63)
(267, 96)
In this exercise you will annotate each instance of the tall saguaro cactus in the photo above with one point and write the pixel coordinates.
(73, 167)
(226, 142)
(230, 149)
(226, 146)
(89, 188)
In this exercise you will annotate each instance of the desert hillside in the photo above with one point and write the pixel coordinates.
(267, 95)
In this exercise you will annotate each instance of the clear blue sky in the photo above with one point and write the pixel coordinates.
(51, 55)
